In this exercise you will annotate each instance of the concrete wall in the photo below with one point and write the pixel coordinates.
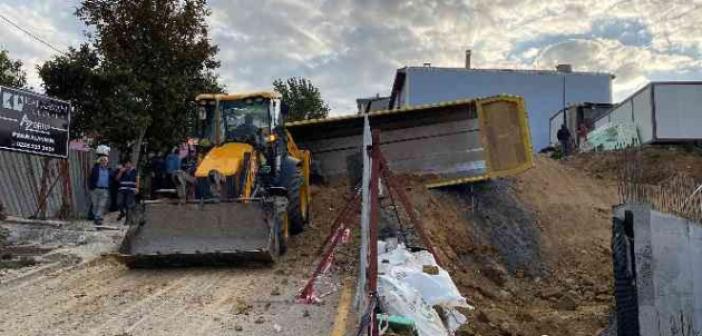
(668, 256)
(542, 90)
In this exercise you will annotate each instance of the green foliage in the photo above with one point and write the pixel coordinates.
(146, 61)
(11, 73)
(303, 99)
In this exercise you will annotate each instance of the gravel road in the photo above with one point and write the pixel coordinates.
(100, 296)
(105, 298)
(97, 295)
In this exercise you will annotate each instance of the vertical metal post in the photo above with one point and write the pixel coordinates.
(66, 210)
(373, 228)
(360, 301)
(43, 192)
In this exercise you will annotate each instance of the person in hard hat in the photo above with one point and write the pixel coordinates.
(99, 185)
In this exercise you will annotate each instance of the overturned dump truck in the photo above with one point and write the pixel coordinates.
(248, 193)
(457, 142)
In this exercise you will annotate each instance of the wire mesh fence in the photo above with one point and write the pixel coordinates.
(678, 193)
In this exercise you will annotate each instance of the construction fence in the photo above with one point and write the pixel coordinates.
(34, 186)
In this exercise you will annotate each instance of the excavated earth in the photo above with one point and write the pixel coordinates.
(531, 253)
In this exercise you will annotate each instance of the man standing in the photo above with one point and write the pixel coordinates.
(128, 179)
(563, 136)
(173, 164)
(99, 186)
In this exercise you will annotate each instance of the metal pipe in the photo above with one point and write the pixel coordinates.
(373, 228)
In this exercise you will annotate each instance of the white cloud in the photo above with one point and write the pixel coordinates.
(352, 48)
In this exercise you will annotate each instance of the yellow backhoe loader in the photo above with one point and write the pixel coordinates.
(248, 193)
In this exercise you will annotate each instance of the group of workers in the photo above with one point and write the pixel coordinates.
(160, 174)
(103, 179)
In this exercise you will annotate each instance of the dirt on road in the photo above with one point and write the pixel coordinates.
(100, 296)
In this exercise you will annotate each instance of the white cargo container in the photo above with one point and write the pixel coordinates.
(662, 112)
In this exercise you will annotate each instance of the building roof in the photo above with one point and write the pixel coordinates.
(531, 71)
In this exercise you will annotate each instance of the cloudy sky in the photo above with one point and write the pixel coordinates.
(352, 48)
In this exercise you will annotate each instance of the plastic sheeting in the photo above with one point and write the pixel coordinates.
(613, 135)
(405, 289)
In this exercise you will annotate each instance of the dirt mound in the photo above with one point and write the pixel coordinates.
(656, 162)
(532, 252)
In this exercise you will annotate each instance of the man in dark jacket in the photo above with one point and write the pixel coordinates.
(172, 165)
(128, 180)
(99, 186)
(563, 136)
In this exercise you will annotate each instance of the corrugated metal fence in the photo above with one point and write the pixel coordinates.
(36, 186)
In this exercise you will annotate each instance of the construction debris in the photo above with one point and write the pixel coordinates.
(405, 289)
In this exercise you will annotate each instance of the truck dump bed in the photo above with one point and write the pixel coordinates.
(456, 141)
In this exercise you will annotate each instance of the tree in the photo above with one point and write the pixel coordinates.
(145, 62)
(303, 99)
(11, 73)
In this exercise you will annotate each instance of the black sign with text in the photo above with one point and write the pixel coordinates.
(33, 123)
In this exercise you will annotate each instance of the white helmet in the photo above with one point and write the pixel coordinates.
(102, 150)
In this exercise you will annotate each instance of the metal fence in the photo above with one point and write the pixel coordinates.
(35, 186)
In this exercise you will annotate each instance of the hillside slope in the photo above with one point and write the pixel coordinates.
(531, 253)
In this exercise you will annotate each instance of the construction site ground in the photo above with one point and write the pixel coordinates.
(531, 253)
(79, 289)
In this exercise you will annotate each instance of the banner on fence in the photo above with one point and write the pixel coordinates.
(33, 123)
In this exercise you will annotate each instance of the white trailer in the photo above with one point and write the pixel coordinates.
(661, 112)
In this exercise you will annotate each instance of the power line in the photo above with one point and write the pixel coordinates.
(42, 41)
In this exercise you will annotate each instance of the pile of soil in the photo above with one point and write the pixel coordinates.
(656, 162)
(303, 250)
(531, 253)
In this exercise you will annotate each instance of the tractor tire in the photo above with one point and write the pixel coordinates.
(296, 215)
(277, 245)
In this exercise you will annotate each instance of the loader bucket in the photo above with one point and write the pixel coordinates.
(175, 235)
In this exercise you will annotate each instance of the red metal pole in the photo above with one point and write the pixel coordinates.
(373, 236)
(353, 203)
(338, 227)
